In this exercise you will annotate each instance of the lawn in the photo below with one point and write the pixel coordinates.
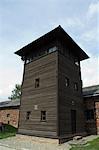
(92, 145)
(8, 132)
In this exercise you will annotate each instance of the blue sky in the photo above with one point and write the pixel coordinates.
(22, 21)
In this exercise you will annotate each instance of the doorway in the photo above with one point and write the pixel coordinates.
(73, 121)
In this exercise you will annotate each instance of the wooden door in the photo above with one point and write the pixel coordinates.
(73, 121)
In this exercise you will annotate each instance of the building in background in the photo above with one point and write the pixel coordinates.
(9, 112)
(91, 106)
(52, 102)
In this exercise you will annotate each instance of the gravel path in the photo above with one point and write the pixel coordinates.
(13, 143)
(5, 148)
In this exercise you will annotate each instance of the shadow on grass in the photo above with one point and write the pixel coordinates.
(8, 131)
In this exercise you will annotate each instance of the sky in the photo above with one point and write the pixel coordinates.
(22, 21)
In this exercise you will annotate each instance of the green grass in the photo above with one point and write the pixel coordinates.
(92, 145)
(8, 132)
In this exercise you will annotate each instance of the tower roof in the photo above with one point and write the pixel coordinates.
(59, 34)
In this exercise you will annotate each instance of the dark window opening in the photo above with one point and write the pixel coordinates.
(66, 82)
(28, 115)
(52, 49)
(75, 86)
(37, 82)
(89, 114)
(37, 54)
(8, 115)
(8, 122)
(43, 115)
(76, 61)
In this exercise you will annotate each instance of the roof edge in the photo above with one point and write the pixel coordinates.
(58, 33)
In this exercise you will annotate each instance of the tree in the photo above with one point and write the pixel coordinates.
(16, 93)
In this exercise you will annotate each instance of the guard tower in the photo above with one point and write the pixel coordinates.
(51, 100)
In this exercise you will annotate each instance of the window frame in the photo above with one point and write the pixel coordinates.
(89, 114)
(43, 115)
(8, 115)
(52, 49)
(67, 83)
(37, 82)
(28, 113)
(75, 86)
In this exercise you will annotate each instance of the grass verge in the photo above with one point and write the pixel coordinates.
(8, 132)
(92, 145)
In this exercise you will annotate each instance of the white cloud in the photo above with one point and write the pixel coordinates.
(86, 27)
(0, 92)
(90, 35)
(8, 78)
(73, 22)
(68, 22)
(90, 71)
(80, 25)
(93, 9)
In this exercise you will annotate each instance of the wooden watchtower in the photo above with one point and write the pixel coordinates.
(51, 100)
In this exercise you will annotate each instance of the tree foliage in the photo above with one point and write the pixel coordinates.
(16, 92)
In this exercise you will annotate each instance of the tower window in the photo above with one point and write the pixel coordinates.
(76, 61)
(52, 49)
(8, 115)
(43, 115)
(89, 114)
(28, 115)
(66, 82)
(75, 86)
(37, 82)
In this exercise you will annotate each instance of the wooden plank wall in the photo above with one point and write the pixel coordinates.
(45, 97)
(68, 97)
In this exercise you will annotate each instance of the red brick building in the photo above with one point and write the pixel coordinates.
(91, 107)
(9, 112)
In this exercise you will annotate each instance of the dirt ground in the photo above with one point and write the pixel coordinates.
(16, 143)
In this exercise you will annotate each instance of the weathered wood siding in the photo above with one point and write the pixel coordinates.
(45, 97)
(68, 98)
(52, 95)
